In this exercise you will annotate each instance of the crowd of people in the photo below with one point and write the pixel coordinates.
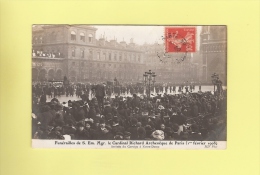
(184, 116)
(80, 89)
(47, 54)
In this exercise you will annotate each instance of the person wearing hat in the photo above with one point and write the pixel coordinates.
(100, 125)
(195, 134)
(133, 129)
(88, 127)
(141, 131)
(106, 134)
(119, 136)
(116, 127)
(150, 121)
(68, 116)
(180, 119)
(45, 116)
(58, 120)
(107, 108)
(168, 133)
(56, 134)
(158, 135)
(127, 135)
(135, 101)
(81, 133)
(70, 129)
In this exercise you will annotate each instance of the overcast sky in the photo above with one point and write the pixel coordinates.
(140, 34)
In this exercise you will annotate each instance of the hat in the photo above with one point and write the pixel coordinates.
(118, 137)
(148, 127)
(90, 120)
(127, 134)
(139, 124)
(158, 135)
(54, 100)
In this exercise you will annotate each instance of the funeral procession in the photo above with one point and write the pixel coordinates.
(94, 82)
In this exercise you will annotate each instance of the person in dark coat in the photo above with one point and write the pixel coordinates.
(78, 112)
(195, 110)
(43, 98)
(100, 94)
(45, 118)
(141, 131)
(195, 134)
(88, 126)
(168, 133)
(180, 120)
(116, 127)
(70, 129)
(135, 102)
(81, 133)
(106, 134)
(133, 129)
(56, 134)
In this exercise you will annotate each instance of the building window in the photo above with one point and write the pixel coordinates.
(53, 36)
(41, 40)
(82, 37)
(109, 56)
(90, 54)
(98, 56)
(90, 38)
(73, 53)
(115, 57)
(139, 59)
(204, 59)
(120, 57)
(82, 54)
(104, 56)
(73, 36)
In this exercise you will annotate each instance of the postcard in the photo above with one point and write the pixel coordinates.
(129, 86)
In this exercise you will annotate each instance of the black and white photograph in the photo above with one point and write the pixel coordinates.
(129, 86)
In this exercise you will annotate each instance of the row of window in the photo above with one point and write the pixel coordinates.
(105, 65)
(37, 40)
(73, 37)
(214, 48)
(104, 56)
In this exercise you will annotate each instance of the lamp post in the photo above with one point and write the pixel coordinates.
(214, 79)
(149, 77)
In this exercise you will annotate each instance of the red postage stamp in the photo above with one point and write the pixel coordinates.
(180, 39)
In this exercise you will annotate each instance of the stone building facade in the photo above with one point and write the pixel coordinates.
(74, 51)
(213, 50)
(170, 67)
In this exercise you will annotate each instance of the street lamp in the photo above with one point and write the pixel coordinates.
(149, 77)
(214, 79)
